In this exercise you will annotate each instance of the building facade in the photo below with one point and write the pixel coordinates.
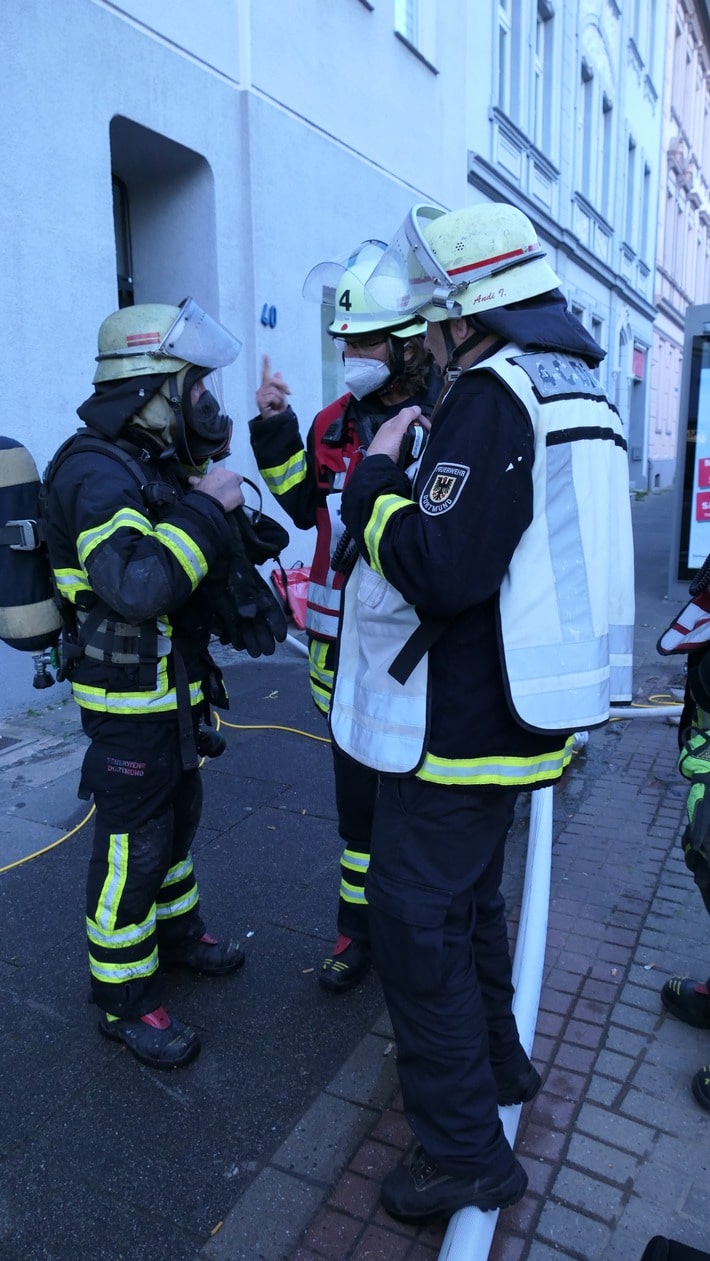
(683, 258)
(222, 149)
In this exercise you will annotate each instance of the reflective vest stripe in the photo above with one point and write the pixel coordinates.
(168, 910)
(507, 772)
(125, 518)
(323, 610)
(113, 973)
(320, 678)
(185, 551)
(162, 700)
(115, 938)
(354, 860)
(178, 872)
(115, 881)
(351, 893)
(70, 582)
(283, 477)
(385, 508)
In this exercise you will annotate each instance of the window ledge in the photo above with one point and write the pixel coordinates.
(413, 49)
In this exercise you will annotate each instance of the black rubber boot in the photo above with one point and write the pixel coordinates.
(348, 965)
(206, 955)
(519, 1089)
(156, 1039)
(688, 1001)
(418, 1190)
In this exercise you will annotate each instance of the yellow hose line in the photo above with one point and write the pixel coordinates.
(54, 844)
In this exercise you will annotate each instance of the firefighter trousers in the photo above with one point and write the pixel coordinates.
(140, 891)
(355, 793)
(440, 946)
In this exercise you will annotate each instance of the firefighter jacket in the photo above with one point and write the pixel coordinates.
(129, 564)
(308, 482)
(483, 490)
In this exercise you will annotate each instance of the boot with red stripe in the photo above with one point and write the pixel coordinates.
(204, 954)
(156, 1039)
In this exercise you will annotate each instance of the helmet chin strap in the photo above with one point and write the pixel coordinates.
(454, 352)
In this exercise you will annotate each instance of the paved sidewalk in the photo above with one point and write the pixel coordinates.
(272, 1146)
(615, 1147)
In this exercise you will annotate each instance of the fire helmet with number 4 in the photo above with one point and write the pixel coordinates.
(445, 264)
(171, 349)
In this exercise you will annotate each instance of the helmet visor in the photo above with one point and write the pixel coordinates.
(196, 338)
(409, 276)
(324, 279)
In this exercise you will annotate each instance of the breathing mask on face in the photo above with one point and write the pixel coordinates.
(365, 376)
(203, 431)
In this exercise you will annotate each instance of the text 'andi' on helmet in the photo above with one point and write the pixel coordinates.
(152, 338)
(445, 264)
(342, 284)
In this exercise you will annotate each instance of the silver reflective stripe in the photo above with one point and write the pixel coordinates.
(323, 609)
(125, 630)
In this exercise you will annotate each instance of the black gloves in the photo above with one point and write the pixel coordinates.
(247, 614)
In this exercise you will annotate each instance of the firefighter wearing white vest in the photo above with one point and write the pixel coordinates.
(133, 557)
(385, 368)
(490, 616)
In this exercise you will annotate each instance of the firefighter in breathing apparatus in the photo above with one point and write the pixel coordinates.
(141, 561)
(490, 616)
(689, 633)
(386, 367)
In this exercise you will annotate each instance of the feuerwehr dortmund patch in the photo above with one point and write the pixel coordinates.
(443, 488)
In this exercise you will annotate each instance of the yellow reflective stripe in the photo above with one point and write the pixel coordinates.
(70, 582)
(114, 884)
(350, 893)
(124, 519)
(283, 477)
(178, 872)
(185, 551)
(508, 772)
(320, 678)
(117, 938)
(115, 972)
(160, 701)
(166, 910)
(354, 861)
(385, 508)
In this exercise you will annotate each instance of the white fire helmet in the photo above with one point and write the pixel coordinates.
(445, 264)
(152, 338)
(343, 284)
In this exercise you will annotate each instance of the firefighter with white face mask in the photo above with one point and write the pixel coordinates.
(137, 517)
(490, 616)
(385, 367)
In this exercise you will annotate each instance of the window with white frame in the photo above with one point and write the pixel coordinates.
(510, 77)
(542, 76)
(630, 191)
(645, 227)
(587, 125)
(414, 22)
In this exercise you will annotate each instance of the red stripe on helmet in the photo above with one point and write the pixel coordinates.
(490, 262)
(143, 339)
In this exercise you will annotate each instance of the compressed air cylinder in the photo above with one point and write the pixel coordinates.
(29, 618)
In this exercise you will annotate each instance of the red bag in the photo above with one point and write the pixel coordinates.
(292, 585)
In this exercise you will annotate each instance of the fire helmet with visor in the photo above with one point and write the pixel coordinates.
(342, 284)
(179, 348)
(445, 264)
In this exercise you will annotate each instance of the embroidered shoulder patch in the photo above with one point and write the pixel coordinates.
(443, 488)
(556, 375)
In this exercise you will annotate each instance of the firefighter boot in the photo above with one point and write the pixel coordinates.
(206, 955)
(418, 1190)
(348, 965)
(688, 1001)
(156, 1039)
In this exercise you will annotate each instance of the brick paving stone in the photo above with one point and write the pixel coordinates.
(540, 1173)
(393, 1128)
(332, 1234)
(603, 1090)
(591, 1011)
(597, 1157)
(523, 1216)
(381, 1245)
(613, 1064)
(625, 1041)
(374, 1160)
(564, 1226)
(538, 1141)
(355, 1195)
(556, 1000)
(581, 1033)
(564, 1083)
(637, 1018)
(552, 1112)
(506, 1247)
(543, 1252)
(581, 1190)
(617, 1130)
(579, 1059)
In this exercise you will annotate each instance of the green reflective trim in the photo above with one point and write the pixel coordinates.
(117, 972)
(185, 551)
(168, 910)
(162, 700)
(124, 519)
(115, 882)
(385, 508)
(507, 772)
(354, 861)
(320, 677)
(351, 893)
(283, 477)
(70, 582)
(117, 938)
(178, 872)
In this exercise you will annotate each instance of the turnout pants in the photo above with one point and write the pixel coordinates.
(355, 793)
(440, 946)
(140, 891)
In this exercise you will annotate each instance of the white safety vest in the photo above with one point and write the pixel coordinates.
(566, 603)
